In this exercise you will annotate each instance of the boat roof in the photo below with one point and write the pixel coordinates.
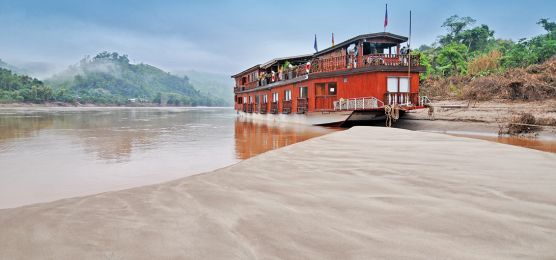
(393, 37)
(276, 60)
(269, 63)
(247, 70)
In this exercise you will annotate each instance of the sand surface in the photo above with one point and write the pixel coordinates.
(364, 193)
(490, 111)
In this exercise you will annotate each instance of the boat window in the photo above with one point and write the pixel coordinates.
(275, 97)
(367, 48)
(332, 88)
(287, 95)
(398, 84)
(404, 84)
(392, 84)
(303, 92)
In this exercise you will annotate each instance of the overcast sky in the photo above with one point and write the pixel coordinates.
(228, 36)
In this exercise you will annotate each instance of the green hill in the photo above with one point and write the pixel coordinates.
(109, 78)
(21, 88)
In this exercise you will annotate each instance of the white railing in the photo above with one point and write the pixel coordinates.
(398, 98)
(424, 100)
(358, 103)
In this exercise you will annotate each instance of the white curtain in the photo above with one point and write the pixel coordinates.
(392, 84)
(404, 84)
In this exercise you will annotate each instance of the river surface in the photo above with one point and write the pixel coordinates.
(53, 153)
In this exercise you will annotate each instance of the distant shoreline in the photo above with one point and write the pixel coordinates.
(62, 104)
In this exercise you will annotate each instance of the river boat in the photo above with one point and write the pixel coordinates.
(370, 77)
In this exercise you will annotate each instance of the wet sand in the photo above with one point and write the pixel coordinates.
(499, 111)
(542, 140)
(363, 193)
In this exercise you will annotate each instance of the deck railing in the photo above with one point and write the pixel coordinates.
(263, 107)
(390, 60)
(274, 107)
(346, 62)
(302, 105)
(424, 101)
(364, 103)
(286, 106)
(401, 98)
(343, 62)
(250, 108)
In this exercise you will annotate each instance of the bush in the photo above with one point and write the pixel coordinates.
(485, 64)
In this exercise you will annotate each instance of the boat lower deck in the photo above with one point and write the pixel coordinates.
(328, 118)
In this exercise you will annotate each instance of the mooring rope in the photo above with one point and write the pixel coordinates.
(431, 112)
(392, 114)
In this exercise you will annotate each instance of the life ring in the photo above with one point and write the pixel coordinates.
(308, 67)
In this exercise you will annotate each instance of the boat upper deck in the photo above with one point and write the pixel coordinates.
(363, 53)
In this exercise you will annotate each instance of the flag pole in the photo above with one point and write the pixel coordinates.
(409, 49)
(386, 18)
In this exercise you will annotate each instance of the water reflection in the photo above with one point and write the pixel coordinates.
(256, 137)
(542, 145)
(109, 134)
(14, 125)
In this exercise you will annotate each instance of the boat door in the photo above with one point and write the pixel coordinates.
(258, 103)
(325, 95)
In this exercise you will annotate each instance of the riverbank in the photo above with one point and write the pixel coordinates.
(490, 112)
(360, 193)
(542, 140)
(85, 105)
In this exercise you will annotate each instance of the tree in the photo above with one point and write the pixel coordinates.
(536, 50)
(455, 25)
(547, 25)
(424, 61)
(451, 59)
(476, 39)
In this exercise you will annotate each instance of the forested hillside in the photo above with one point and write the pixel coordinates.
(21, 88)
(110, 78)
(470, 62)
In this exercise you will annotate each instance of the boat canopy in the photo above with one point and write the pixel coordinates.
(381, 40)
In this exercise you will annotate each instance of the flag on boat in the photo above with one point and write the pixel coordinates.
(315, 45)
(332, 39)
(386, 18)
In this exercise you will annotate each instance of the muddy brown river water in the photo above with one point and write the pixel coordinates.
(53, 153)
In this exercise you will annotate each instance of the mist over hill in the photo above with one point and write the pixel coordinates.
(12, 68)
(216, 85)
(110, 78)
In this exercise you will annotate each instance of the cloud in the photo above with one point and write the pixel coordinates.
(50, 46)
(224, 36)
